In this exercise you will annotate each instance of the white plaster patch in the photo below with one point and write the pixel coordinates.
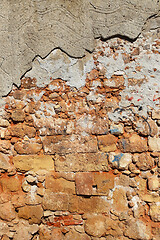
(60, 65)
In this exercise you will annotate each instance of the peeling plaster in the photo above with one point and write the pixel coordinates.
(141, 73)
(60, 65)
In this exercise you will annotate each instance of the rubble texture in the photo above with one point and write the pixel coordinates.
(66, 24)
(80, 138)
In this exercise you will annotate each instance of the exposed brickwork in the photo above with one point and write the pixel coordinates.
(68, 171)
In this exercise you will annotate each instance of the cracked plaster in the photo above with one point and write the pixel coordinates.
(34, 28)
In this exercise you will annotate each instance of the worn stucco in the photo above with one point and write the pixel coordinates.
(35, 27)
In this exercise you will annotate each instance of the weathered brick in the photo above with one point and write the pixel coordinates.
(26, 163)
(81, 162)
(135, 143)
(137, 229)
(10, 184)
(92, 125)
(84, 183)
(107, 143)
(94, 204)
(7, 212)
(90, 183)
(59, 185)
(154, 144)
(32, 213)
(120, 203)
(69, 144)
(103, 182)
(55, 201)
(27, 147)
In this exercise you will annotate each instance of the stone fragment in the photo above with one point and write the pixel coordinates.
(27, 147)
(7, 212)
(95, 225)
(107, 143)
(25, 231)
(84, 183)
(21, 129)
(156, 114)
(59, 185)
(147, 127)
(32, 213)
(44, 233)
(75, 236)
(153, 183)
(98, 183)
(70, 176)
(117, 129)
(55, 201)
(122, 180)
(96, 204)
(26, 187)
(154, 144)
(31, 198)
(5, 146)
(56, 234)
(155, 212)
(145, 162)
(103, 183)
(4, 161)
(149, 198)
(5, 230)
(4, 197)
(133, 144)
(10, 184)
(81, 162)
(120, 161)
(114, 82)
(31, 179)
(4, 122)
(120, 203)
(136, 229)
(18, 200)
(49, 126)
(17, 130)
(26, 163)
(18, 115)
(69, 144)
(92, 125)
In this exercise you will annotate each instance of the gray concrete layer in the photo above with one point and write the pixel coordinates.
(35, 27)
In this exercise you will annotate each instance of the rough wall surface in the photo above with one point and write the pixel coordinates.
(35, 27)
(80, 146)
(80, 137)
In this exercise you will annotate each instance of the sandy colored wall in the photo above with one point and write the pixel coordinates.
(80, 136)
